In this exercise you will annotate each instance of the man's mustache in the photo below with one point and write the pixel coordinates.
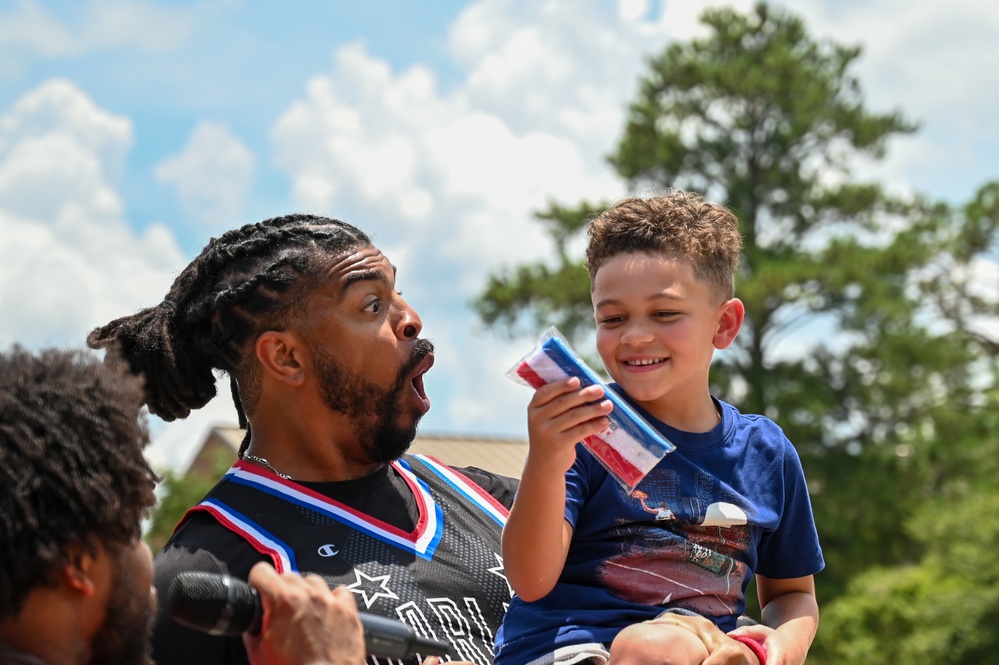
(420, 351)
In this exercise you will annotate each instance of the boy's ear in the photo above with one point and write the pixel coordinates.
(280, 356)
(730, 317)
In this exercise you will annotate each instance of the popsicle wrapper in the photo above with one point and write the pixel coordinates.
(630, 447)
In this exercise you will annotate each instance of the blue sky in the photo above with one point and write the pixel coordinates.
(238, 63)
(133, 131)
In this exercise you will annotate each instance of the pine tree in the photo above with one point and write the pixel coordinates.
(860, 337)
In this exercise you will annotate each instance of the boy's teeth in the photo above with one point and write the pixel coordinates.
(649, 361)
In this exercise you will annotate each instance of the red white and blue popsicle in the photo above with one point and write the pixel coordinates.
(630, 447)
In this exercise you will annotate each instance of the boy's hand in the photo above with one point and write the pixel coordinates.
(768, 638)
(722, 649)
(559, 416)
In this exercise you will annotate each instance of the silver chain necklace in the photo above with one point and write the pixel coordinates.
(261, 460)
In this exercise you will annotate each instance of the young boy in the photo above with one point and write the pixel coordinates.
(602, 572)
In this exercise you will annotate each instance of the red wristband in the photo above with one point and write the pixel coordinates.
(755, 646)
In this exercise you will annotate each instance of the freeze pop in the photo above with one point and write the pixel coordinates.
(630, 447)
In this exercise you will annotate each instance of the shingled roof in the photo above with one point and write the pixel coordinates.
(499, 455)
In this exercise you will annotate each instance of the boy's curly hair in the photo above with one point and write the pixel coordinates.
(72, 470)
(676, 225)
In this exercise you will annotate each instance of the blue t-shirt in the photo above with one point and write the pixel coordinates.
(724, 505)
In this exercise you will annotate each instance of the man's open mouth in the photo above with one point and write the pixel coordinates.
(417, 381)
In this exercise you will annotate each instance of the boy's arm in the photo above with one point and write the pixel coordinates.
(536, 536)
(790, 609)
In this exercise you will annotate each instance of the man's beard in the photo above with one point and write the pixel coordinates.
(124, 636)
(374, 410)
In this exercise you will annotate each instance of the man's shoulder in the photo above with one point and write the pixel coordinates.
(500, 487)
(176, 644)
(201, 543)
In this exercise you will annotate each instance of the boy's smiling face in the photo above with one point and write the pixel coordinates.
(657, 329)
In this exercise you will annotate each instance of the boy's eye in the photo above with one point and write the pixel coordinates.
(664, 315)
(374, 306)
(610, 320)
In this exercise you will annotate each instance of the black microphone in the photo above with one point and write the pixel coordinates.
(223, 605)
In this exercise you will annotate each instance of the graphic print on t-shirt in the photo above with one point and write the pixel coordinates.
(690, 556)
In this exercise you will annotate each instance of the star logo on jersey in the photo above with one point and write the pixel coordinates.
(371, 589)
(498, 571)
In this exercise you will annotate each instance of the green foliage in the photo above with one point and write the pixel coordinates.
(558, 295)
(941, 610)
(180, 492)
(860, 336)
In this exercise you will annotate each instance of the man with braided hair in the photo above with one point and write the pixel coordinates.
(75, 579)
(326, 364)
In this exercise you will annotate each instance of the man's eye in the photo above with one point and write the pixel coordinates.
(374, 306)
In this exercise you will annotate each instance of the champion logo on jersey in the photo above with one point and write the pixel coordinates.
(422, 541)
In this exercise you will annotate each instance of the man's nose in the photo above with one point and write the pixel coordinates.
(409, 324)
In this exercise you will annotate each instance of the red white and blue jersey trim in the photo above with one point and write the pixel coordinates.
(282, 556)
(487, 502)
(422, 541)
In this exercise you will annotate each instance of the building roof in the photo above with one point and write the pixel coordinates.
(504, 456)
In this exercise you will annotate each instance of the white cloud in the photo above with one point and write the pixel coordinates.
(481, 398)
(445, 176)
(148, 26)
(562, 68)
(29, 31)
(448, 181)
(70, 260)
(918, 55)
(211, 175)
(175, 444)
(60, 104)
(356, 135)
(937, 63)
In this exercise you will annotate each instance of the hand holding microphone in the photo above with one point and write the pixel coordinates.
(306, 621)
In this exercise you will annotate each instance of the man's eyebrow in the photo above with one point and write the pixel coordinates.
(363, 275)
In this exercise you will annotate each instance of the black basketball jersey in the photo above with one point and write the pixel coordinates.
(444, 578)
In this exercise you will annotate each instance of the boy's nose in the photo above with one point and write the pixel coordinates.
(636, 334)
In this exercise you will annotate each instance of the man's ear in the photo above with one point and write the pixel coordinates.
(280, 356)
(80, 571)
(730, 317)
